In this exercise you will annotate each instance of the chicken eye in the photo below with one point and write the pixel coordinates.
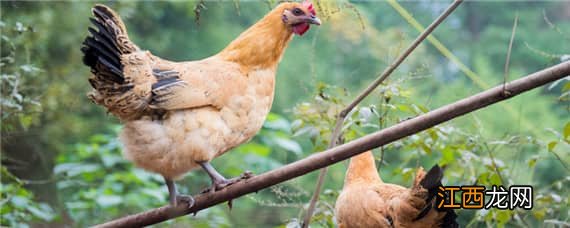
(298, 12)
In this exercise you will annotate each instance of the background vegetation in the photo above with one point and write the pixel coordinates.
(62, 163)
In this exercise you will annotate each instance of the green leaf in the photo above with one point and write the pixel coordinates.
(404, 108)
(26, 121)
(109, 160)
(20, 202)
(495, 179)
(551, 145)
(539, 214)
(277, 123)
(156, 193)
(311, 131)
(20, 27)
(296, 124)
(43, 212)
(294, 223)
(256, 148)
(73, 169)
(289, 145)
(503, 216)
(448, 156)
(425, 147)
(532, 162)
(108, 200)
(29, 68)
(566, 87)
(433, 134)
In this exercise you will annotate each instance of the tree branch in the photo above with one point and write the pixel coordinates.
(345, 151)
(335, 136)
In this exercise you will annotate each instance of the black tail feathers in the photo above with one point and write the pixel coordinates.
(449, 221)
(431, 182)
(102, 50)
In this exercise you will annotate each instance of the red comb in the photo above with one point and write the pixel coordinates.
(309, 6)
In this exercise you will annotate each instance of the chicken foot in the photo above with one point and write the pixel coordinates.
(176, 198)
(219, 182)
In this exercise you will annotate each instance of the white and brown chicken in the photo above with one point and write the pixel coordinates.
(366, 201)
(178, 116)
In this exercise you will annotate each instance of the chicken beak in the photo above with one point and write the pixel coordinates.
(314, 20)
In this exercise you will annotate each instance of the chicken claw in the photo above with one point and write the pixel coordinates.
(174, 198)
(181, 199)
(219, 182)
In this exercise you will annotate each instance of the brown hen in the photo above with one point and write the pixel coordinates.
(366, 201)
(178, 116)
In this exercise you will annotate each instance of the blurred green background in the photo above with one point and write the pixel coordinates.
(62, 164)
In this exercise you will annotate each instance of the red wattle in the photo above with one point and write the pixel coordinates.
(300, 29)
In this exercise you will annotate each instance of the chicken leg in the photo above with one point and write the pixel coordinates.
(219, 182)
(174, 197)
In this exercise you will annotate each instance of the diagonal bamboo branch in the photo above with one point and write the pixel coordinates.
(510, 48)
(345, 151)
(335, 136)
(473, 76)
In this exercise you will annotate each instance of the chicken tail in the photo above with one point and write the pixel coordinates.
(431, 182)
(103, 49)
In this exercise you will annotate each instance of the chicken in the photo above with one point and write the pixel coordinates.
(366, 201)
(178, 116)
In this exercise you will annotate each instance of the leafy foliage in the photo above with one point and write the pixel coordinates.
(18, 206)
(99, 182)
(19, 105)
(19, 110)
